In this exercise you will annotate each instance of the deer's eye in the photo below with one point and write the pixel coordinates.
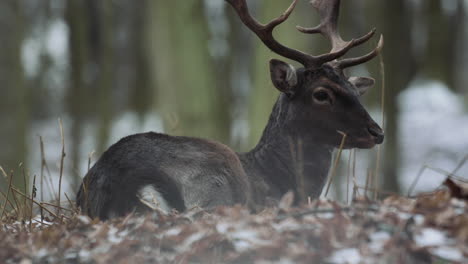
(321, 96)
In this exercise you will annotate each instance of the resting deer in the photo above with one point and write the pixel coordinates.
(316, 106)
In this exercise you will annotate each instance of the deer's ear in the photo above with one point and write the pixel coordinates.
(362, 84)
(283, 76)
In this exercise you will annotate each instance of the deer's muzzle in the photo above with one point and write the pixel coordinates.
(377, 133)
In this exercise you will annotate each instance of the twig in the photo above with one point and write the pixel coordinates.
(368, 180)
(17, 203)
(382, 99)
(348, 174)
(62, 158)
(55, 206)
(325, 211)
(90, 156)
(335, 165)
(10, 203)
(376, 173)
(46, 167)
(23, 171)
(440, 171)
(415, 181)
(459, 165)
(355, 190)
(37, 203)
(382, 105)
(42, 222)
(72, 206)
(25, 188)
(6, 198)
(4, 173)
(377, 190)
(8, 193)
(33, 195)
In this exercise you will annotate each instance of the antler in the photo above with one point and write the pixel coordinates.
(328, 11)
(265, 32)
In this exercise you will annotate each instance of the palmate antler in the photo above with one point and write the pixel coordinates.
(328, 27)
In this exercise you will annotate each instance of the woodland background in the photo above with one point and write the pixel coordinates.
(110, 68)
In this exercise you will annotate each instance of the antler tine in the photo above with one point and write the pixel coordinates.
(346, 63)
(265, 32)
(329, 12)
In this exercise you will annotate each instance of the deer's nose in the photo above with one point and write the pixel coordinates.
(377, 133)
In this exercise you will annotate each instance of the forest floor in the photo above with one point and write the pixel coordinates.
(428, 228)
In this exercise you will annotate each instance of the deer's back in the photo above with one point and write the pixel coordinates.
(184, 172)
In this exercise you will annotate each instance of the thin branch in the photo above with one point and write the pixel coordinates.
(377, 190)
(72, 205)
(382, 105)
(90, 156)
(55, 206)
(10, 203)
(62, 158)
(325, 211)
(348, 174)
(37, 203)
(33, 195)
(335, 165)
(8, 193)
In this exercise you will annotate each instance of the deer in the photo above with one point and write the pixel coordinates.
(317, 108)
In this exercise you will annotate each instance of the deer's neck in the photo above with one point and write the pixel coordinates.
(285, 160)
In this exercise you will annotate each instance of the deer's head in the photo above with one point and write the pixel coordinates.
(319, 97)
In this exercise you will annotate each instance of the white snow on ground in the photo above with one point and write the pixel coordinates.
(448, 253)
(439, 244)
(347, 255)
(378, 240)
(433, 131)
(430, 237)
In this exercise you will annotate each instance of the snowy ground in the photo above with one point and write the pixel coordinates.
(429, 229)
(433, 132)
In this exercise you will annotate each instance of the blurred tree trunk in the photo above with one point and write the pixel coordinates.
(141, 93)
(182, 69)
(76, 17)
(264, 94)
(241, 49)
(443, 38)
(104, 60)
(14, 109)
(461, 63)
(399, 70)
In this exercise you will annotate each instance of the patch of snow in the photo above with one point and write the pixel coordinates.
(286, 225)
(326, 215)
(404, 215)
(173, 231)
(419, 219)
(222, 227)
(447, 253)
(41, 253)
(430, 237)
(432, 131)
(113, 236)
(84, 255)
(378, 240)
(57, 40)
(84, 219)
(347, 255)
(242, 245)
(193, 238)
